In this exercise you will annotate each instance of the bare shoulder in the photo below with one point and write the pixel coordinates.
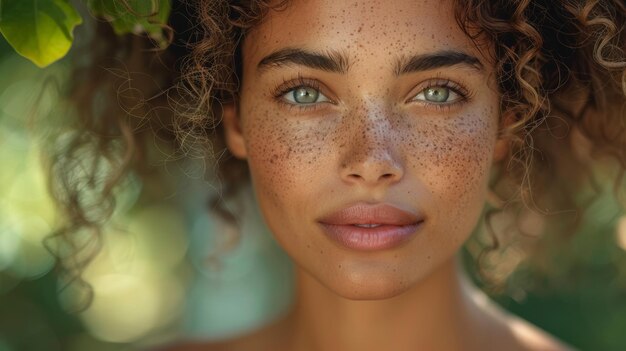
(533, 338)
(508, 331)
(505, 330)
(525, 336)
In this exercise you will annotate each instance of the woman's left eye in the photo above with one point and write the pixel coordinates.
(304, 95)
(438, 95)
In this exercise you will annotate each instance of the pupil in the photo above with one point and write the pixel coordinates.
(305, 95)
(437, 94)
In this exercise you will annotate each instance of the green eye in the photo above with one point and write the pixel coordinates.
(304, 95)
(437, 94)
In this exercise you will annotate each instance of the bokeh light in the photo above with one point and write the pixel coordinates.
(135, 280)
(153, 281)
(139, 274)
(26, 211)
(125, 307)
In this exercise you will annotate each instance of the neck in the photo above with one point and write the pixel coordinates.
(436, 314)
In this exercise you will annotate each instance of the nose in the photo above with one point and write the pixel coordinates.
(372, 157)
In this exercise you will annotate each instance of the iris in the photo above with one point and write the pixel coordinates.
(437, 94)
(305, 95)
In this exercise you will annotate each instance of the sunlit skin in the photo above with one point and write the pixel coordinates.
(372, 129)
(309, 159)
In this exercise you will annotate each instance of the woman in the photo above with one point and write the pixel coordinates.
(370, 130)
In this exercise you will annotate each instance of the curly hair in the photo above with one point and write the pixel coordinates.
(561, 72)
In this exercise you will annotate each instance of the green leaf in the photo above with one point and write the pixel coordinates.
(40, 30)
(135, 16)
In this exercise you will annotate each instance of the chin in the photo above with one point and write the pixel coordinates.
(368, 285)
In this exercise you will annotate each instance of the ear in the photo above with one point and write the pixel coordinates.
(503, 144)
(232, 129)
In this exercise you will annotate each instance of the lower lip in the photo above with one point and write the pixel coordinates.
(371, 239)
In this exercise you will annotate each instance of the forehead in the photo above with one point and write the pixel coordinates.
(363, 29)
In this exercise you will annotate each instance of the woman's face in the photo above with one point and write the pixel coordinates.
(352, 110)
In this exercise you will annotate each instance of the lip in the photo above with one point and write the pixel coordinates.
(394, 226)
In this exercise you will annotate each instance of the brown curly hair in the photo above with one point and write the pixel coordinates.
(561, 72)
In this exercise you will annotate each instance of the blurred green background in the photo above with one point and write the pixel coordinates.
(151, 280)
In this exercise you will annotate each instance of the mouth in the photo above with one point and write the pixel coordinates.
(366, 227)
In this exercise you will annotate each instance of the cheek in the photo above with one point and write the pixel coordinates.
(453, 160)
(283, 153)
(450, 157)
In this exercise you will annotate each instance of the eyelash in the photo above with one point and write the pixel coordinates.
(288, 85)
(464, 94)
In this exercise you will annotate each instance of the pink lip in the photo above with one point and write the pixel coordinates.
(394, 226)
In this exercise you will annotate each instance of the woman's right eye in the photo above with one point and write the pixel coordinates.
(304, 95)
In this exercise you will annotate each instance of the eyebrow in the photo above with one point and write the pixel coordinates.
(330, 61)
(425, 62)
(337, 62)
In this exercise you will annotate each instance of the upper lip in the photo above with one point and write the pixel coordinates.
(364, 213)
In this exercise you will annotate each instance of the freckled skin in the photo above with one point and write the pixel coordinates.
(300, 161)
(371, 141)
